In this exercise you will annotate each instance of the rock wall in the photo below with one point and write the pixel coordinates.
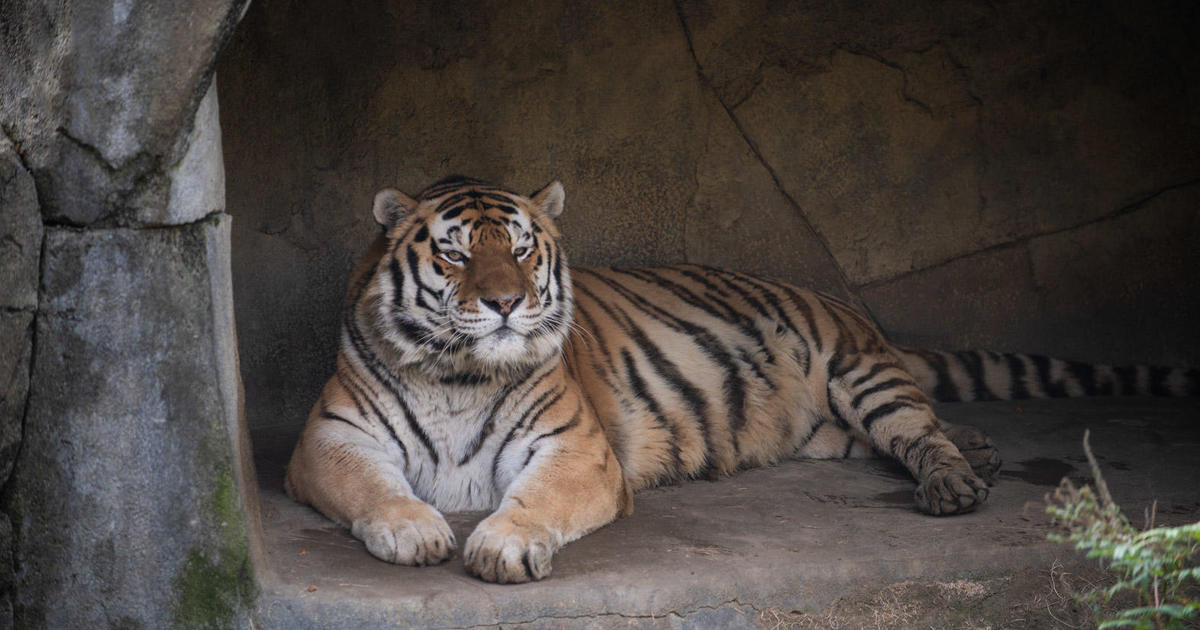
(129, 499)
(1017, 176)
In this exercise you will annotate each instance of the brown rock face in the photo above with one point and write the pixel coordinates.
(919, 159)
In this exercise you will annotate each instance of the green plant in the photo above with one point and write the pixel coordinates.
(1157, 565)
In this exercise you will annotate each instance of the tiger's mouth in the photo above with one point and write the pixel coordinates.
(504, 331)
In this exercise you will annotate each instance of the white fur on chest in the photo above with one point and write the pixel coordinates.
(453, 418)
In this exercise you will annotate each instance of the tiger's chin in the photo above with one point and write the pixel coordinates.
(504, 349)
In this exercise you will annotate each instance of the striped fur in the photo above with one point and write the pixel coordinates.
(477, 371)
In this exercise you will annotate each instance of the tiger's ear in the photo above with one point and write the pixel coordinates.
(391, 206)
(549, 200)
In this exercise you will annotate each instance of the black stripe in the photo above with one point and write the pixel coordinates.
(873, 372)
(883, 410)
(878, 387)
(465, 379)
(748, 297)
(643, 393)
(490, 423)
(1158, 381)
(555, 395)
(328, 415)
(388, 381)
(571, 424)
(356, 391)
(533, 448)
(836, 369)
(453, 213)
(1016, 375)
(773, 301)
(831, 402)
(944, 390)
(804, 307)
(849, 445)
(733, 386)
(816, 426)
(693, 272)
(451, 182)
(557, 269)
(731, 315)
(904, 457)
(1127, 375)
(973, 365)
(756, 368)
(665, 369)
(1085, 375)
(414, 267)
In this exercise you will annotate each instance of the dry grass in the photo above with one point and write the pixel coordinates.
(1046, 600)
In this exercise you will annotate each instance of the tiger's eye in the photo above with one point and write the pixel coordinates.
(453, 256)
(520, 252)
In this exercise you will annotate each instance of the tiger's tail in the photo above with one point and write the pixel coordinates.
(983, 375)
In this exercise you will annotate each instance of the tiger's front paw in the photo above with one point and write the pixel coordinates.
(501, 551)
(950, 491)
(406, 531)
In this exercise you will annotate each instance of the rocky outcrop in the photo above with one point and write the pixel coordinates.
(131, 500)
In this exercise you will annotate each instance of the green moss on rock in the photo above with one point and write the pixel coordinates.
(215, 586)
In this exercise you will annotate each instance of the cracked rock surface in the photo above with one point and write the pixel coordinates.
(961, 170)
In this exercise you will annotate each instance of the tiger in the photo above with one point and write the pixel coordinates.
(478, 371)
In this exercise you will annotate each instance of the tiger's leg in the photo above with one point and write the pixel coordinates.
(886, 405)
(563, 481)
(348, 475)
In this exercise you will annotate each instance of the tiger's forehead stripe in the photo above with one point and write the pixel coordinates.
(460, 215)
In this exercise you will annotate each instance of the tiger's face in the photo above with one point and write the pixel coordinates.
(473, 279)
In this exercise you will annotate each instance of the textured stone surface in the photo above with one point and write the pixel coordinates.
(914, 133)
(124, 499)
(101, 98)
(792, 537)
(20, 252)
(16, 342)
(738, 218)
(1112, 291)
(6, 577)
(823, 143)
(20, 232)
(892, 187)
(197, 182)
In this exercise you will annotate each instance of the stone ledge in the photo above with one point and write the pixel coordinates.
(722, 554)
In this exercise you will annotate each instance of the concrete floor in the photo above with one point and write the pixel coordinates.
(735, 553)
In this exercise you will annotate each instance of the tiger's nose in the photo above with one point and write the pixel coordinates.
(503, 305)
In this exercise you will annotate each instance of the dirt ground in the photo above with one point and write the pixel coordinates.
(1053, 600)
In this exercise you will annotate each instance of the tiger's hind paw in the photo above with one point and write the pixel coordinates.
(949, 491)
(977, 448)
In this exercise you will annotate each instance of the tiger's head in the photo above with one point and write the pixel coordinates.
(472, 278)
